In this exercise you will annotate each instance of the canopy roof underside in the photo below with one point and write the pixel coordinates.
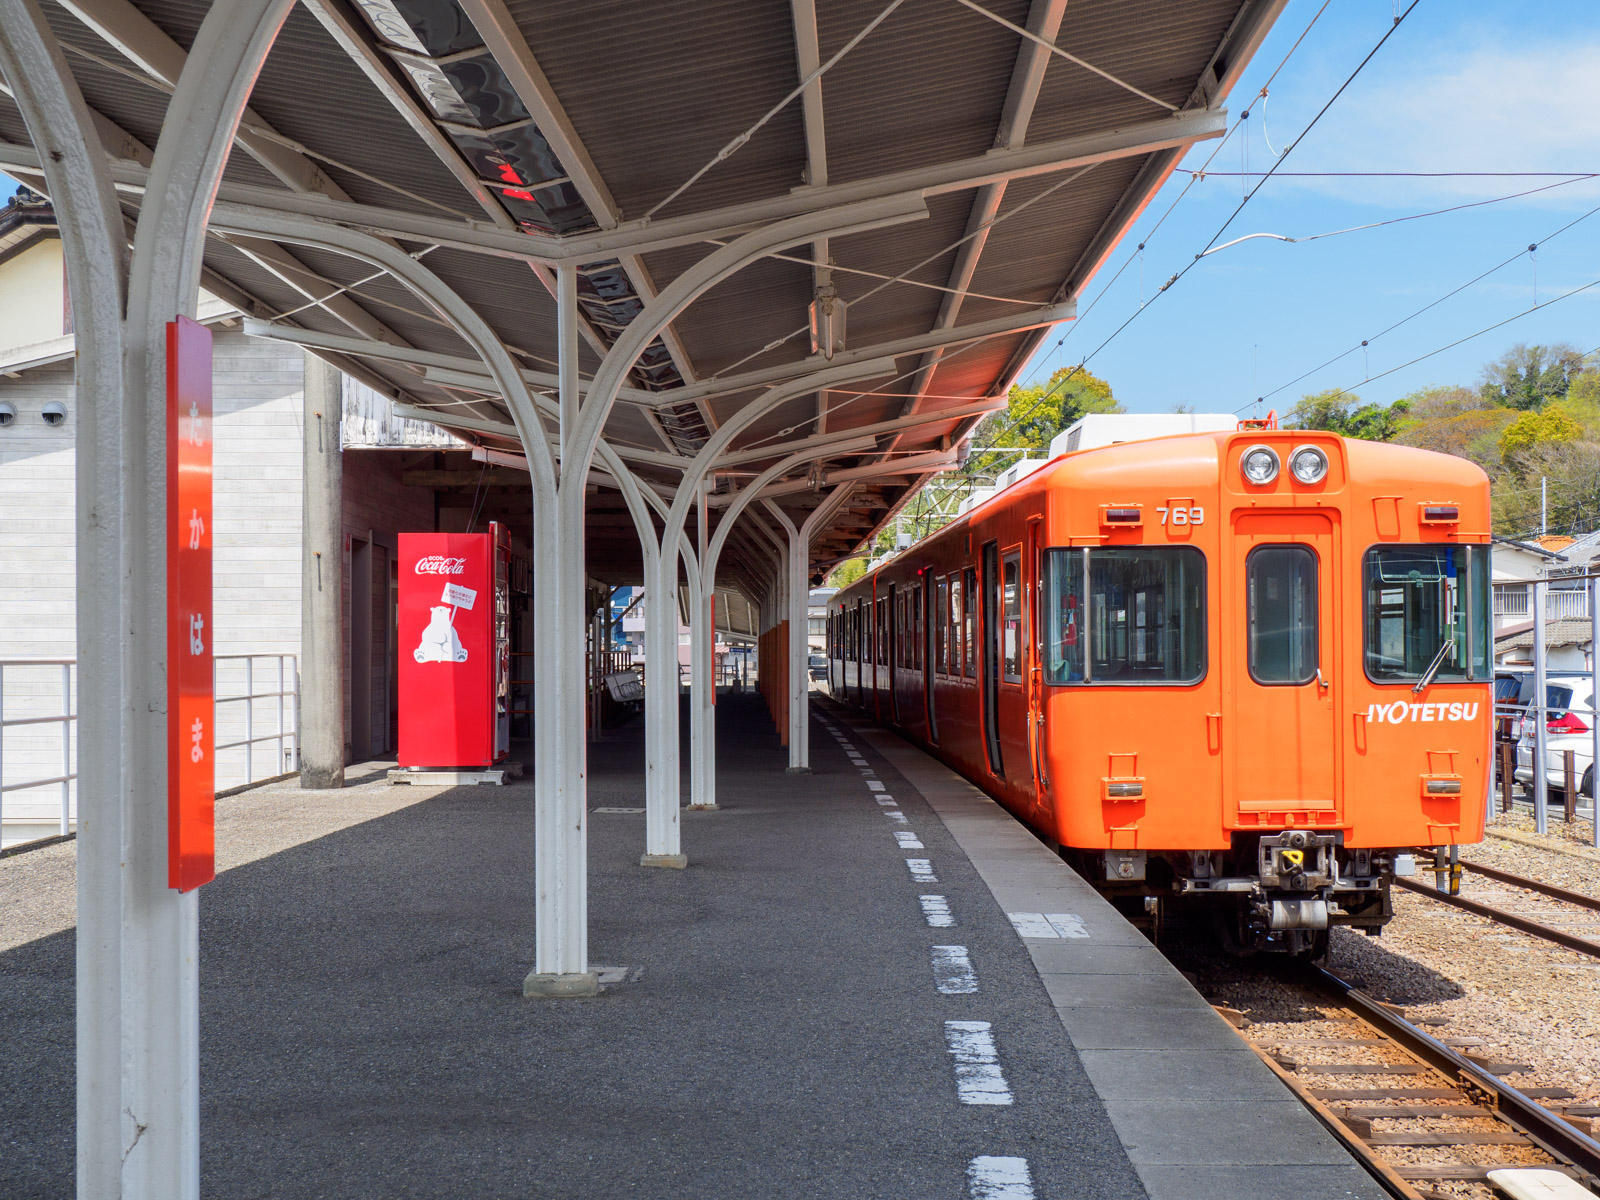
(554, 120)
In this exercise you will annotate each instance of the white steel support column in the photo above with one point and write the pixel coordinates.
(93, 242)
(137, 940)
(663, 841)
(702, 659)
(796, 593)
(561, 926)
(797, 580)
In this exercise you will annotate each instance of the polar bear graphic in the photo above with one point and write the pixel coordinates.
(439, 640)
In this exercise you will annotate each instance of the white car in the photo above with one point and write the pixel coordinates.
(1569, 725)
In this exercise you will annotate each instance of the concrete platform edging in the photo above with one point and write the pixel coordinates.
(1197, 1113)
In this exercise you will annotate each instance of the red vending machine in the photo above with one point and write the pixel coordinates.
(455, 649)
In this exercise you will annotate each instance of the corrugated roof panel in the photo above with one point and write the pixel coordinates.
(619, 67)
(936, 75)
(376, 139)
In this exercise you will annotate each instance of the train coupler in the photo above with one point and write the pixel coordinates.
(1298, 860)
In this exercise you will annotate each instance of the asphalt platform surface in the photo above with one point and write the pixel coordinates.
(779, 1031)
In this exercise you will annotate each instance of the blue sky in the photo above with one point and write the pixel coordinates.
(1462, 85)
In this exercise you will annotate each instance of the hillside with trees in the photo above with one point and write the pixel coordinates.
(1033, 415)
(1533, 415)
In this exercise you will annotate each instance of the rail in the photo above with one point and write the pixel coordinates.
(1453, 1087)
(41, 691)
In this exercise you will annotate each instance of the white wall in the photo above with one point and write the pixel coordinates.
(258, 399)
(32, 288)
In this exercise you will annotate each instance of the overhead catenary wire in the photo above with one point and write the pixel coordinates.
(1549, 237)
(1223, 228)
(1459, 341)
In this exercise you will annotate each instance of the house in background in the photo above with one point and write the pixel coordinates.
(1568, 645)
(1556, 558)
(258, 394)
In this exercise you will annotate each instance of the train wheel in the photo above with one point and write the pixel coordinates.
(1316, 950)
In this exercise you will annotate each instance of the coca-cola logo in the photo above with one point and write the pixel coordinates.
(438, 564)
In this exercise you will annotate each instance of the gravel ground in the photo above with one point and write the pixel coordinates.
(1494, 992)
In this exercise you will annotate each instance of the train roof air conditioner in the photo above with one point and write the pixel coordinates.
(1107, 429)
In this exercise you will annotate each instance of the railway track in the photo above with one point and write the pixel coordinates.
(1513, 920)
(1427, 1118)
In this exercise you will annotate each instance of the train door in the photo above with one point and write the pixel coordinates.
(1033, 626)
(929, 632)
(893, 613)
(1280, 747)
(989, 656)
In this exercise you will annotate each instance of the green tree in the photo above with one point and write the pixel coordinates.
(1526, 377)
(1571, 473)
(1036, 413)
(846, 573)
(1551, 425)
(1342, 412)
(1454, 420)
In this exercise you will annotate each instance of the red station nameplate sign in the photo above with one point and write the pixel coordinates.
(191, 696)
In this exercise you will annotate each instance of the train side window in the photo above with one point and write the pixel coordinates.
(969, 625)
(1139, 619)
(883, 632)
(941, 636)
(1427, 613)
(1281, 614)
(1011, 615)
(958, 608)
(916, 628)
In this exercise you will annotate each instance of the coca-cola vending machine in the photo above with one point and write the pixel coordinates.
(455, 649)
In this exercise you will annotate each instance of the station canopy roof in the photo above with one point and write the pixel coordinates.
(1035, 131)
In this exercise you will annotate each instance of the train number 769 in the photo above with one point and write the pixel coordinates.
(1183, 516)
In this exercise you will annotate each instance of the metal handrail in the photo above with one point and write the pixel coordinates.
(286, 734)
(66, 718)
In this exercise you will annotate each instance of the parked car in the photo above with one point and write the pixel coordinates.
(1569, 725)
(1513, 692)
(819, 666)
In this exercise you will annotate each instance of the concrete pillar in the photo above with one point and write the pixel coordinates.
(322, 582)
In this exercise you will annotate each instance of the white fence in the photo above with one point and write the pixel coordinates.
(258, 725)
(1515, 602)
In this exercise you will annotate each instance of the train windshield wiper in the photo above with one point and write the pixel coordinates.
(1438, 661)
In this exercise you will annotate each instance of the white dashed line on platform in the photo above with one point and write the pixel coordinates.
(991, 1177)
(886, 801)
(616, 810)
(952, 971)
(921, 870)
(875, 785)
(1048, 925)
(936, 909)
(896, 815)
(979, 1079)
(908, 840)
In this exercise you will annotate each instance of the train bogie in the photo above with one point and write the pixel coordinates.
(1249, 670)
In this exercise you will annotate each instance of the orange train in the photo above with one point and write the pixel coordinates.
(1246, 669)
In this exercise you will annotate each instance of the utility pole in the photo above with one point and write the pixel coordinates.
(1544, 525)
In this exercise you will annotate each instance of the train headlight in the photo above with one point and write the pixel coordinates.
(1260, 465)
(1308, 464)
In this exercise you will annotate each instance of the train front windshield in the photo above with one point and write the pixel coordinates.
(1427, 613)
(1141, 618)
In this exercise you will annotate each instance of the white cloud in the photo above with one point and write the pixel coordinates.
(1484, 105)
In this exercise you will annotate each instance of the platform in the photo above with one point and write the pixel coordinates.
(830, 1002)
